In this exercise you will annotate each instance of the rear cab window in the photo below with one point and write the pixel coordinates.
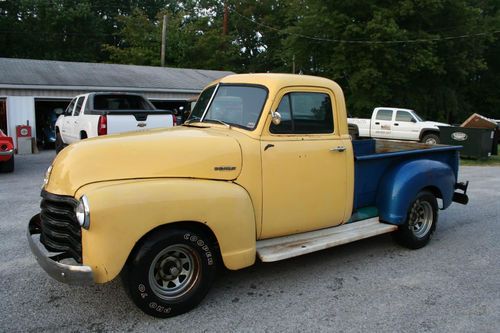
(384, 114)
(110, 102)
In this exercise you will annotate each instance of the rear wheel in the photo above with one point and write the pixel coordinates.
(431, 139)
(171, 272)
(420, 222)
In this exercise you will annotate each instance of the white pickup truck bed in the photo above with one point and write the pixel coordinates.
(96, 114)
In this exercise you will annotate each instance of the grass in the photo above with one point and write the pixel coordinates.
(492, 160)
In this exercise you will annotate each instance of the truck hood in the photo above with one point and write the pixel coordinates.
(181, 152)
(433, 124)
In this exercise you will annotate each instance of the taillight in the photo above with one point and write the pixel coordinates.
(174, 119)
(102, 126)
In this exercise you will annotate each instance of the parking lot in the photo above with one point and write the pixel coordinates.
(452, 285)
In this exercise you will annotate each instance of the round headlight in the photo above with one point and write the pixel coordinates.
(83, 213)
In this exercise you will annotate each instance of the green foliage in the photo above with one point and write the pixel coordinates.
(395, 53)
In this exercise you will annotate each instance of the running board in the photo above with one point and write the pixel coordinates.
(285, 247)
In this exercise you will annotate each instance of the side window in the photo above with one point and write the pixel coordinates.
(312, 113)
(85, 109)
(70, 107)
(404, 116)
(78, 106)
(304, 113)
(384, 115)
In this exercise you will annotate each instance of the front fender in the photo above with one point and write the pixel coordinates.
(400, 185)
(122, 212)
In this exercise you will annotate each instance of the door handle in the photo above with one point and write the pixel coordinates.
(396, 124)
(339, 149)
(377, 123)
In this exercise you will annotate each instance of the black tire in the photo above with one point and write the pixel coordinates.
(7, 166)
(431, 138)
(83, 135)
(59, 143)
(420, 222)
(184, 261)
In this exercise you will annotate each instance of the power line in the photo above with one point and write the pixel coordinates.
(420, 40)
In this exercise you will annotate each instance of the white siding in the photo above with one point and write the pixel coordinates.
(20, 110)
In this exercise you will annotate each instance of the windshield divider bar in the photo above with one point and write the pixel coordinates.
(209, 103)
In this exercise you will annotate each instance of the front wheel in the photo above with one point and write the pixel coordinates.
(59, 145)
(420, 222)
(171, 272)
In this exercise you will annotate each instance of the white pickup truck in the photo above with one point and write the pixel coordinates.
(96, 114)
(395, 123)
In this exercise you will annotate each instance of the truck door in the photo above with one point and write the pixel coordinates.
(405, 127)
(67, 121)
(304, 164)
(382, 124)
(72, 126)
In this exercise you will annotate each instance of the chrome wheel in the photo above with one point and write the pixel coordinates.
(174, 271)
(430, 141)
(421, 218)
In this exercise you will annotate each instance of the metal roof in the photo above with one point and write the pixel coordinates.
(47, 74)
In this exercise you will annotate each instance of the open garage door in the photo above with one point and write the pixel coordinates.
(181, 108)
(46, 113)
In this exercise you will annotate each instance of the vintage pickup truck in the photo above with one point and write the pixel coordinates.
(263, 168)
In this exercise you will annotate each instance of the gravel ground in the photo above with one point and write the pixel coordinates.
(452, 285)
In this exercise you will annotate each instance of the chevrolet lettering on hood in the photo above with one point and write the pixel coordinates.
(224, 168)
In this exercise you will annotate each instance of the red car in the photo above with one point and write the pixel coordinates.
(6, 153)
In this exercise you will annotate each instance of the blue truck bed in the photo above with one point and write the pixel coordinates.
(389, 173)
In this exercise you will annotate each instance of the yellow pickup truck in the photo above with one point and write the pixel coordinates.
(263, 168)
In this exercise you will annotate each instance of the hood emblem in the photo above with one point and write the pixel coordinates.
(141, 124)
(224, 168)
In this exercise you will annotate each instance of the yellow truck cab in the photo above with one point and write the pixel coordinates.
(263, 167)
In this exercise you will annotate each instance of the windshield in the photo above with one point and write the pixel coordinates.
(232, 104)
(417, 116)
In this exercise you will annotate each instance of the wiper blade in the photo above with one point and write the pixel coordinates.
(192, 120)
(218, 121)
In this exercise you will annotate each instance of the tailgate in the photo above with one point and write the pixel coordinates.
(121, 122)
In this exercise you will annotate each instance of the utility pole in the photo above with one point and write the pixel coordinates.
(163, 40)
(226, 19)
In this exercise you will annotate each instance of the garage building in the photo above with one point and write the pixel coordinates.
(31, 90)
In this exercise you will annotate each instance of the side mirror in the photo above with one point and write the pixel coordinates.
(276, 117)
(413, 120)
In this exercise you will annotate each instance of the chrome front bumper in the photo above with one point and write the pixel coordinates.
(49, 261)
(9, 152)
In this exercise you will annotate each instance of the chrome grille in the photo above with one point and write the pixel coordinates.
(60, 231)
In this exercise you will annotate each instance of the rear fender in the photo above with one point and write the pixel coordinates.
(400, 185)
(123, 212)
